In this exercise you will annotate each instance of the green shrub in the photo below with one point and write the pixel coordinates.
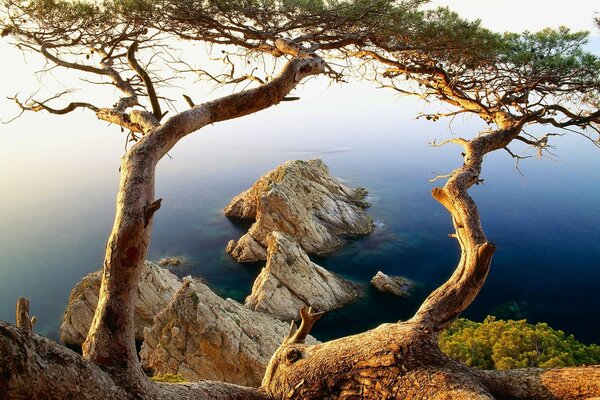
(499, 344)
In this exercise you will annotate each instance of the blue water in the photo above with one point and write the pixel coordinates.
(58, 204)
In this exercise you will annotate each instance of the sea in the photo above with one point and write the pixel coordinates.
(59, 178)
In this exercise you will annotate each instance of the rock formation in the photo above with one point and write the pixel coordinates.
(291, 281)
(394, 284)
(300, 199)
(155, 290)
(202, 336)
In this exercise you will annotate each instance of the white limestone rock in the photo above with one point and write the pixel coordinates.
(291, 281)
(394, 284)
(203, 336)
(301, 200)
(155, 290)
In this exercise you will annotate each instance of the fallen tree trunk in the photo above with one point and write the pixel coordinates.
(402, 361)
(34, 367)
(394, 361)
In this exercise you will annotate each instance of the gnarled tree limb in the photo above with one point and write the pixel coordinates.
(146, 79)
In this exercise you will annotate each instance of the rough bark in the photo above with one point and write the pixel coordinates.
(403, 361)
(33, 367)
(23, 320)
(393, 361)
(534, 383)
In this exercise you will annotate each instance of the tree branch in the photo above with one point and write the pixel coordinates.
(70, 65)
(146, 79)
(110, 341)
(37, 105)
(239, 104)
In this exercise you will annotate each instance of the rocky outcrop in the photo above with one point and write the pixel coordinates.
(394, 284)
(155, 290)
(301, 200)
(202, 336)
(291, 281)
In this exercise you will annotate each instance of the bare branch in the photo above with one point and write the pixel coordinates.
(146, 79)
(298, 335)
(70, 65)
(189, 100)
(442, 176)
(459, 141)
(37, 105)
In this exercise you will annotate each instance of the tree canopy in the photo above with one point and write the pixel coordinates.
(544, 78)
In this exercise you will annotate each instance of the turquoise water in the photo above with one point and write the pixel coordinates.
(58, 204)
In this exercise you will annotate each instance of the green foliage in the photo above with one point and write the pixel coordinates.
(68, 11)
(460, 41)
(168, 378)
(498, 344)
(556, 52)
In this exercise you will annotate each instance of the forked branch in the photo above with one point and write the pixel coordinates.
(298, 335)
(146, 79)
(41, 105)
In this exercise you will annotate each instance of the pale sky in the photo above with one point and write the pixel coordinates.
(532, 15)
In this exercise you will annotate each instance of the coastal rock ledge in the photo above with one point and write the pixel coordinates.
(300, 199)
(203, 336)
(155, 290)
(291, 281)
(394, 284)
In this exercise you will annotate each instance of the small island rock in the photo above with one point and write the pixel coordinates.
(170, 261)
(155, 290)
(301, 200)
(394, 284)
(200, 335)
(291, 281)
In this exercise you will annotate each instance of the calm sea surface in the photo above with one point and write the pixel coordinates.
(57, 193)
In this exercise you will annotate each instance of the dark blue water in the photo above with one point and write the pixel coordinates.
(58, 204)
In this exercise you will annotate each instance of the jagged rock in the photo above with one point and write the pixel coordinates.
(202, 336)
(394, 284)
(291, 281)
(300, 199)
(156, 288)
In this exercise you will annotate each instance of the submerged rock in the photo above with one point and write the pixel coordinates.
(301, 200)
(156, 288)
(203, 336)
(394, 284)
(291, 281)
